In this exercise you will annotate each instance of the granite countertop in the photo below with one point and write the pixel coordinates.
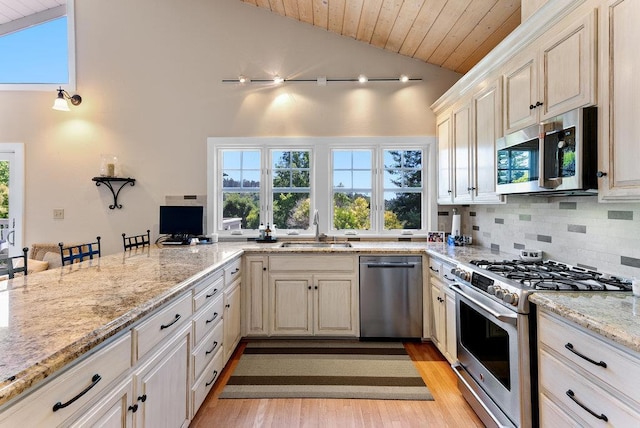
(49, 319)
(614, 315)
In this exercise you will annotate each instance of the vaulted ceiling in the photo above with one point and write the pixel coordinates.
(454, 34)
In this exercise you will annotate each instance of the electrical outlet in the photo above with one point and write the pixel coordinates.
(58, 214)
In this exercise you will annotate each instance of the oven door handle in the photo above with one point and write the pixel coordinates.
(502, 317)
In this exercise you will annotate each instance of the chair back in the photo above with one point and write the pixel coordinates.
(7, 266)
(79, 252)
(136, 241)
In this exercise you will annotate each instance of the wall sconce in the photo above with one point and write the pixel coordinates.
(61, 103)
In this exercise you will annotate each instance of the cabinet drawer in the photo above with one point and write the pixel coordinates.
(312, 263)
(207, 318)
(560, 380)
(435, 267)
(232, 271)
(100, 370)
(162, 324)
(553, 416)
(622, 370)
(205, 352)
(203, 385)
(208, 290)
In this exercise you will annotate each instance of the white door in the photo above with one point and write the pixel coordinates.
(11, 197)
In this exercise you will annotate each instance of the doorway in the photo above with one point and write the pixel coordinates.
(11, 197)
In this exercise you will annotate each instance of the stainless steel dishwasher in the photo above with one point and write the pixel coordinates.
(391, 297)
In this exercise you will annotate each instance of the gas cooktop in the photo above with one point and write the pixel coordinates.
(551, 275)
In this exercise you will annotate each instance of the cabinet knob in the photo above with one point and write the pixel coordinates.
(264, 268)
(531, 106)
(133, 408)
(142, 398)
(449, 191)
(538, 104)
(601, 174)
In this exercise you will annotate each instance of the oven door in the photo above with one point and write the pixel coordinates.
(488, 349)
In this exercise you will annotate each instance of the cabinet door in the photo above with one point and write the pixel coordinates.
(437, 333)
(162, 385)
(291, 305)
(256, 296)
(450, 317)
(335, 306)
(487, 127)
(462, 153)
(619, 154)
(568, 68)
(114, 410)
(231, 320)
(520, 93)
(445, 189)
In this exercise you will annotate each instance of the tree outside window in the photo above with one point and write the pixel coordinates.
(291, 188)
(352, 172)
(403, 188)
(240, 189)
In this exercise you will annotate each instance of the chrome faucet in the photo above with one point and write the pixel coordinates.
(316, 223)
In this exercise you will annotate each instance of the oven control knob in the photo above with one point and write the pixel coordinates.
(465, 275)
(511, 299)
(491, 289)
(500, 293)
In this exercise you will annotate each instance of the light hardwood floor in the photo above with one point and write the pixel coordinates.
(449, 409)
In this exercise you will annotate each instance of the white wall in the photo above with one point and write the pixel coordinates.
(150, 76)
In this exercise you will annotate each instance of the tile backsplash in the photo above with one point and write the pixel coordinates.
(575, 230)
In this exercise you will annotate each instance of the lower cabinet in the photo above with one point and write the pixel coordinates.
(443, 309)
(231, 319)
(583, 379)
(162, 384)
(113, 410)
(312, 305)
(256, 296)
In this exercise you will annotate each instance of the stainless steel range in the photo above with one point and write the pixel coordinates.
(497, 368)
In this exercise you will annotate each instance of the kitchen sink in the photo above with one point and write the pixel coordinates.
(315, 245)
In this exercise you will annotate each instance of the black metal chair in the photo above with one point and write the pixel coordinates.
(7, 266)
(136, 241)
(79, 252)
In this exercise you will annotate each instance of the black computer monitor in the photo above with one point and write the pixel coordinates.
(181, 221)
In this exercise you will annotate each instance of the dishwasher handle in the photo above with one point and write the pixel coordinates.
(392, 265)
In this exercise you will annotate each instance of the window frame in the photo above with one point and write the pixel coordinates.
(69, 12)
(321, 180)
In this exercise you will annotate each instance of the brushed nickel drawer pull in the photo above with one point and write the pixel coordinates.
(94, 381)
(163, 326)
(569, 346)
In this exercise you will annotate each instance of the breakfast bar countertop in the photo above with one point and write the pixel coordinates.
(49, 319)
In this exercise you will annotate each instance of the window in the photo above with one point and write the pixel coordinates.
(37, 50)
(352, 181)
(291, 189)
(240, 189)
(403, 189)
(359, 185)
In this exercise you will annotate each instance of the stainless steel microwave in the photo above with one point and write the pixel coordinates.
(557, 155)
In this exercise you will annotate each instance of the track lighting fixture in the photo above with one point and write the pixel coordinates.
(320, 81)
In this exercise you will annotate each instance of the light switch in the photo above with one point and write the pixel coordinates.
(58, 214)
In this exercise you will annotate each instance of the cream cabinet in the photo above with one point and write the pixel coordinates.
(445, 183)
(112, 411)
(66, 395)
(255, 296)
(313, 295)
(619, 127)
(466, 148)
(162, 384)
(557, 73)
(443, 308)
(584, 380)
(231, 319)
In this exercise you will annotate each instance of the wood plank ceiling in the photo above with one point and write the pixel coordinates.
(454, 34)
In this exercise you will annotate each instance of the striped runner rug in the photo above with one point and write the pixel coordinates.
(326, 369)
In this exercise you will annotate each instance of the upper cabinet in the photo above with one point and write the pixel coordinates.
(619, 124)
(554, 75)
(466, 148)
